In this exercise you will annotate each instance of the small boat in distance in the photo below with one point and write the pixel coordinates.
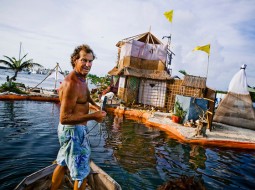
(41, 180)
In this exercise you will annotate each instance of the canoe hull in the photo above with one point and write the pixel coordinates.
(41, 180)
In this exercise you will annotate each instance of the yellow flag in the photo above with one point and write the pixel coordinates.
(205, 48)
(169, 15)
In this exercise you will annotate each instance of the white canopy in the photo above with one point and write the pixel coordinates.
(238, 83)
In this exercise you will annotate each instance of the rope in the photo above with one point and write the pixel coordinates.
(99, 124)
(92, 128)
(40, 82)
(61, 71)
(46, 77)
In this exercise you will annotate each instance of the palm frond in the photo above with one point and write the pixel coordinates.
(29, 63)
(18, 64)
(183, 72)
(25, 65)
(14, 59)
(23, 57)
(7, 63)
(10, 59)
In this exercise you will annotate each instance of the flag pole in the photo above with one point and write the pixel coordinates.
(206, 49)
(207, 66)
(169, 16)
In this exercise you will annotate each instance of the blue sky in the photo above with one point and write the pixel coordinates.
(49, 31)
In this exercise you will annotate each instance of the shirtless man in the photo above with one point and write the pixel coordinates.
(74, 95)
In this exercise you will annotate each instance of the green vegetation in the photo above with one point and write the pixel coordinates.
(101, 82)
(252, 92)
(183, 72)
(12, 87)
(252, 96)
(18, 64)
(221, 92)
(178, 110)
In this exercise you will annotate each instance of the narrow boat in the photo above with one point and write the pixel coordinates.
(41, 180)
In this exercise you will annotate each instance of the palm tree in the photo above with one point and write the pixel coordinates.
(18, 65)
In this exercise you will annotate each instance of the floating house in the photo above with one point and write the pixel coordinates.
(141, 76)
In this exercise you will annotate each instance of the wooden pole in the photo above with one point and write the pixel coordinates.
(56, 76)
(20, 49)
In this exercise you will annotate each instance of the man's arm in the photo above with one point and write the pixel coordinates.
(94, 104)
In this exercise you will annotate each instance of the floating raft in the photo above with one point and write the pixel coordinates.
(221, 135)
(33, 97)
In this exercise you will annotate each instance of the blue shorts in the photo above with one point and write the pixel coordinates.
(74, 150)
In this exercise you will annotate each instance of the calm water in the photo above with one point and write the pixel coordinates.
(136, 156)
(31, 80)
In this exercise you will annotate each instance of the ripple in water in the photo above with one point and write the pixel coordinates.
(136, 156)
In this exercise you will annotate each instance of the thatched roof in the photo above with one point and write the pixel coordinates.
(114, 72)
(194, 81)
(141, 73)
(144, 37)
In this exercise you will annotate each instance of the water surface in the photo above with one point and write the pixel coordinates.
(136, 156)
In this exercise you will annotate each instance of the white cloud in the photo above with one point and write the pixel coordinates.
(50, 30)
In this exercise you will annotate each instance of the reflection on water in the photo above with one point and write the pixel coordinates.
(136, 156)
(26, 136)
(197, 157)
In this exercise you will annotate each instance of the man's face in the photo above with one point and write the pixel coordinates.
(84, 63)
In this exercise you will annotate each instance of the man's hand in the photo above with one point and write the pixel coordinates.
(99, 116)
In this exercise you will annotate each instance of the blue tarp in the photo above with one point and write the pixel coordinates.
(193, 106)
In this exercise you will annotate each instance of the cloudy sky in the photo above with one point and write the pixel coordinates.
(50, 29)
